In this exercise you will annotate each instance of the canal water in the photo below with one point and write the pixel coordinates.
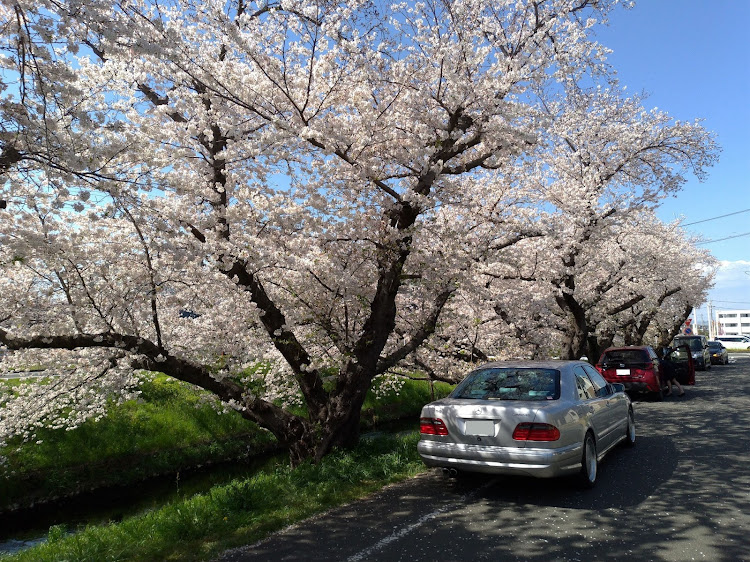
(24, 528)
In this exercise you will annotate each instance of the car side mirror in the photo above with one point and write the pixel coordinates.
(618, 387)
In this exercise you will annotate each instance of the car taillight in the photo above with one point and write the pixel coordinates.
(642, 373)
(536, 432)
(432, 426)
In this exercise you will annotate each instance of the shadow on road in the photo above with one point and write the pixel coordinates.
(683, 493)
(626, 478)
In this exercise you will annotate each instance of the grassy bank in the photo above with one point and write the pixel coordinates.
(240, 513)
(169, 429)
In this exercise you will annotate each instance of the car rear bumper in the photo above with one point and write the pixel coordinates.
(543, 463)
(644, 383)
(641, 386)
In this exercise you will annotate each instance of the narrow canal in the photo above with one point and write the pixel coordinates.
(24, 528)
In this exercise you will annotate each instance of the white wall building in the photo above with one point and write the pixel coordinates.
(733, 323)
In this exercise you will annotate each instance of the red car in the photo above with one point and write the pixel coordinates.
(636, 367)
(639, 368)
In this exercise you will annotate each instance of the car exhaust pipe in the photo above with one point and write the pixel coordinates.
(450, 472)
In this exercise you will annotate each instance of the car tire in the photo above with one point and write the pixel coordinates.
(630, 429)
(589, 462)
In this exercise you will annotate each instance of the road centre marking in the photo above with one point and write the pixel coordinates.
(382, 543)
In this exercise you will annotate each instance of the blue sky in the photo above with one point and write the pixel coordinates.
(693, 59)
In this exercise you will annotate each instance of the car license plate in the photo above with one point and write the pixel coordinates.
(480, 427)
(622, 372)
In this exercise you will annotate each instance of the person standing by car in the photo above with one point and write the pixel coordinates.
(669, 374)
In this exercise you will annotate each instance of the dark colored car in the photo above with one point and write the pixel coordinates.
(719, 353)
(698, 348)
(635, 367)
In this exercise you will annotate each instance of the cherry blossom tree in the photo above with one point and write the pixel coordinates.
(658, 268)
(609, 161)
(193, 187)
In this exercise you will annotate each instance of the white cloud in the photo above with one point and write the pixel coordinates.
(732, 285)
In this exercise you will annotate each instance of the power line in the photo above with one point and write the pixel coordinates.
(721, 239)
(716, 218)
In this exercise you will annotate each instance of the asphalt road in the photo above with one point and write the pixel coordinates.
(682, 494)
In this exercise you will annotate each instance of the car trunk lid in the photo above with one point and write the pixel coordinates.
(484, 422)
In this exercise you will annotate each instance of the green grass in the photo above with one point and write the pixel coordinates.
(407, 403)
(167, 430)
(239, 513)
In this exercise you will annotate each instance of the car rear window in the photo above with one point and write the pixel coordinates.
(695, 344)
(510, 384)
(626, 356)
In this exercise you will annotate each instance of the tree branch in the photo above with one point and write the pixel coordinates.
(424, 332)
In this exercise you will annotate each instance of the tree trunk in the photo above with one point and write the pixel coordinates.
(594, 348)
(338, 424)
(577, 334)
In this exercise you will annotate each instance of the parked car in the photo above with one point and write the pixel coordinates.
(537, 418)
(719, 353)
(699, 349)
(636, 367)
(734, 342)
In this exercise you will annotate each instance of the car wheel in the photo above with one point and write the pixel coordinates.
(630, 430)
(589, 462)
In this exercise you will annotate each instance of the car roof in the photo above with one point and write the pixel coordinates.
(531, 364)
(627, 347)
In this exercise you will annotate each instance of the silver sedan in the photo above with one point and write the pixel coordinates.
(538, 418)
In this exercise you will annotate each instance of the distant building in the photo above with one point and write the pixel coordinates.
(733, 323)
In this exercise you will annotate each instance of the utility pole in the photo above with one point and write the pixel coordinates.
(710, 321)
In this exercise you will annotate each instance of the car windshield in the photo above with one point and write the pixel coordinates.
(715, 345)
(626, 356)
(693, 343)
(510, 383)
